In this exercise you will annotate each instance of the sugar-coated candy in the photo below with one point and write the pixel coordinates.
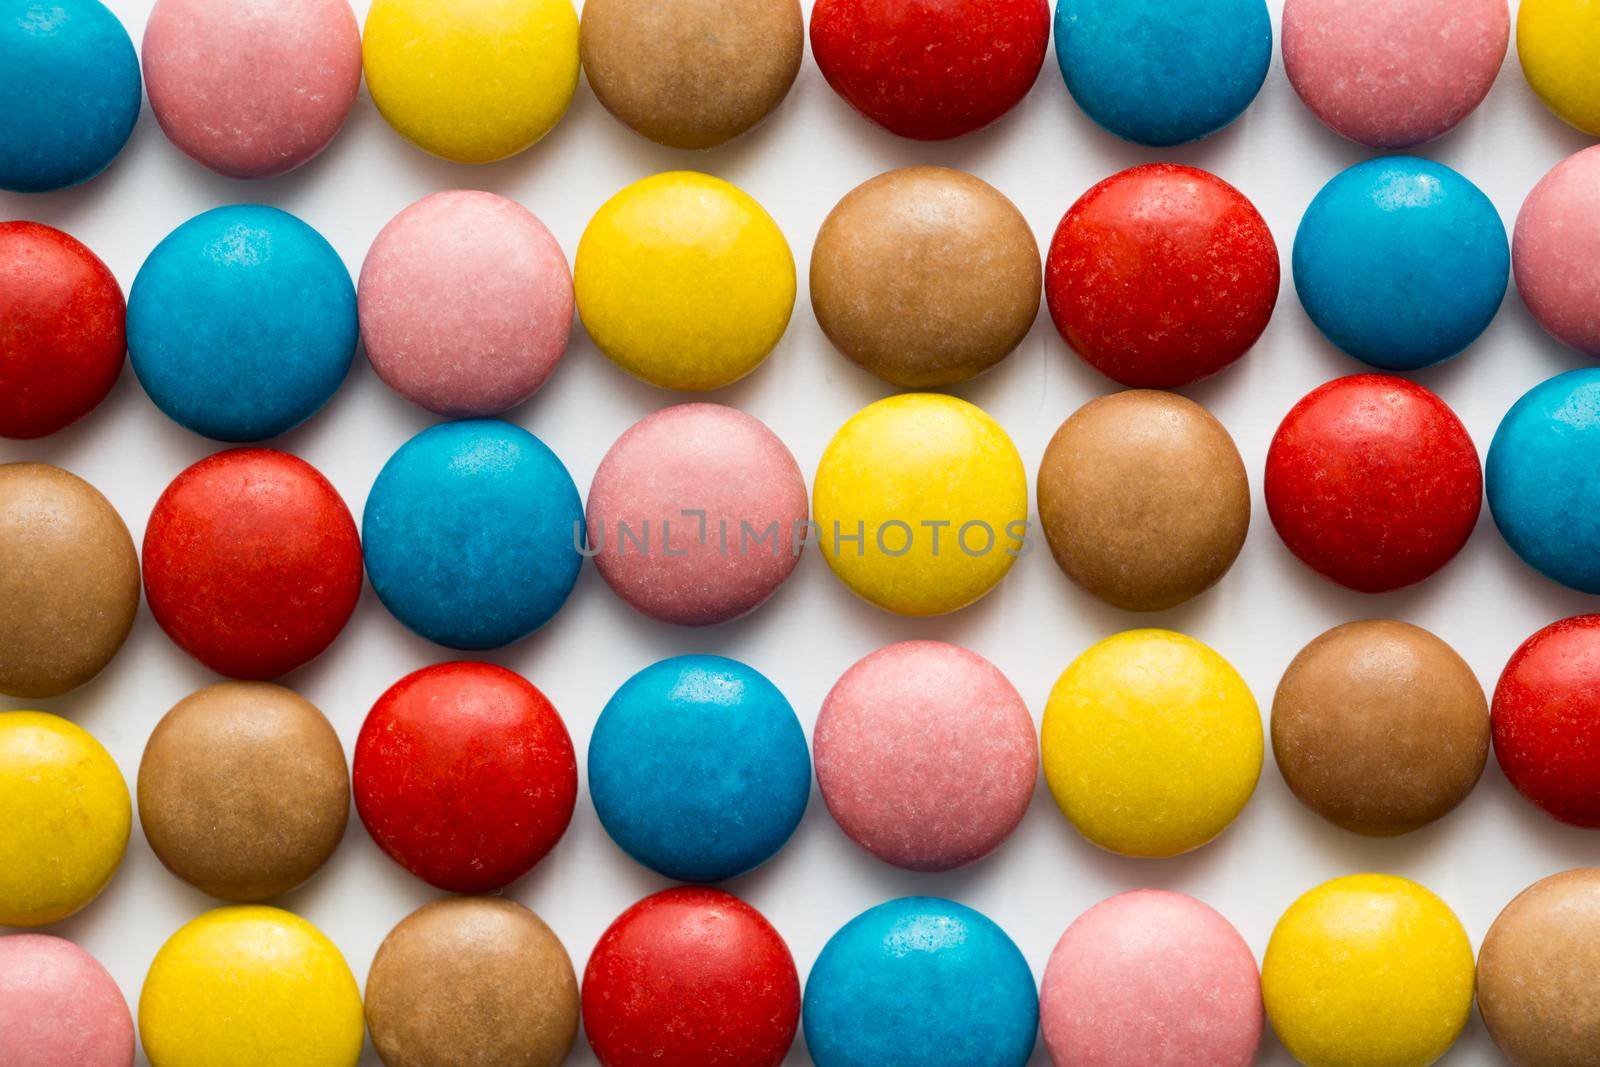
(1557, 41)
(1546, 720)
(59, 1007)
(1556, 251)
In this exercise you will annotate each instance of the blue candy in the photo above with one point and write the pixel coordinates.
(470, 534)
(698, 768)
(1163, 72)
(921, 982)
(242, 323)
(1401, 262)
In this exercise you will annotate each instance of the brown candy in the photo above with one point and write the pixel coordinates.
(243, 790)
(692, 73)
(472, 982)
(926, 276)
(1144, 499)
(1379, 727)
(69, 581)
(1539, 974)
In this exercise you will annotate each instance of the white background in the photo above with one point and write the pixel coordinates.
(813, 151)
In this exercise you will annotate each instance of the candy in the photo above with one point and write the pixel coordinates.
(684, 281)
(1163, 72)
(242, 323)
(1152, 743)
(698, 768)
(692, 73)
(921, 504)
(1144, 499)
(70, 584)
(1393, 73)
(925, 276)
(695, 514)
(1161, 275)
(689, 977)
(251, 90)
(472, 534)
(1373, 482)
(1557, 41)
(66, 819)
(1556, 252)
(250, 985)
(1380, 728)
(59, 1007)
(252, 564)
(64, 337)
(472, 81)
(926, 755)
(1368, 971)
(1151, 979)
(931, 71)
(1547, 720)
(243, 791)
(1401, 262)
(920, 981)
(71, 79)
(465, 775)
(476, 980)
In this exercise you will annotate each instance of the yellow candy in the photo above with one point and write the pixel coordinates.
(1368, 971)
(684, 281)
(250, 987)
(472, 80)
(1152, 743)
(921, 504)
(64, 818)
(1559, 44)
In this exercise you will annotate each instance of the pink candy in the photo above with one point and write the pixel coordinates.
(59, 1007)
(1556, 252)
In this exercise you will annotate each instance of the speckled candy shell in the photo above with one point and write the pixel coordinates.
(59, 1007)
(1556, 251)
(1546, 720)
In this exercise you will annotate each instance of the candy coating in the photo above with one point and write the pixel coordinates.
(59, 1007)
(1556, 252)
(1557, 41)
(1546, 720)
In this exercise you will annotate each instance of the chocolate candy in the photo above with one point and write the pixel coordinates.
(59, 1007)
(1556, 251)
(1546, 720)
(925, 276)
(1556, 41)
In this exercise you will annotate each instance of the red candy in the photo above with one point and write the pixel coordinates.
(1546, 720)
(61, 330)
(1373, 482)
(464, 774)
(691, 977)
(1162, 275)
(931, 69)
(252, 563)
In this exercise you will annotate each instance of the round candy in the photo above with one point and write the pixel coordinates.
(1401, 262)
(64, 338)
(1163, 72)
(926, 755)
(1393, 73)
(1162, 275)
(64, 819)
(695, 514)
(1556, 252)
(684, 281)
(925, 276)
(692, 73)
(931, 71)
(1151, 979)
(465, 776)
(472, 534)
(698, 768)
(59, 1007)
(690, 977)
(473, 81)
(250, 985)
(1144, 499)
(251, 90)
(1557, 41)
(243, 791)
(477, 980)
(72, 79)
(1547, 720)
(921, 981)
(70, 583)
(921, 503)
(252, 564)
(1380, 728)
(1368, 971)
(242, 323)
(1373, 482)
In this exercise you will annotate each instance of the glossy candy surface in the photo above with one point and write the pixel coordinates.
(59, 1007)
(1547, 720)
(1557, 41)
(1556, 251)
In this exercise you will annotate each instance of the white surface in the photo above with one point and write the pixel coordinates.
(1044, 155)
